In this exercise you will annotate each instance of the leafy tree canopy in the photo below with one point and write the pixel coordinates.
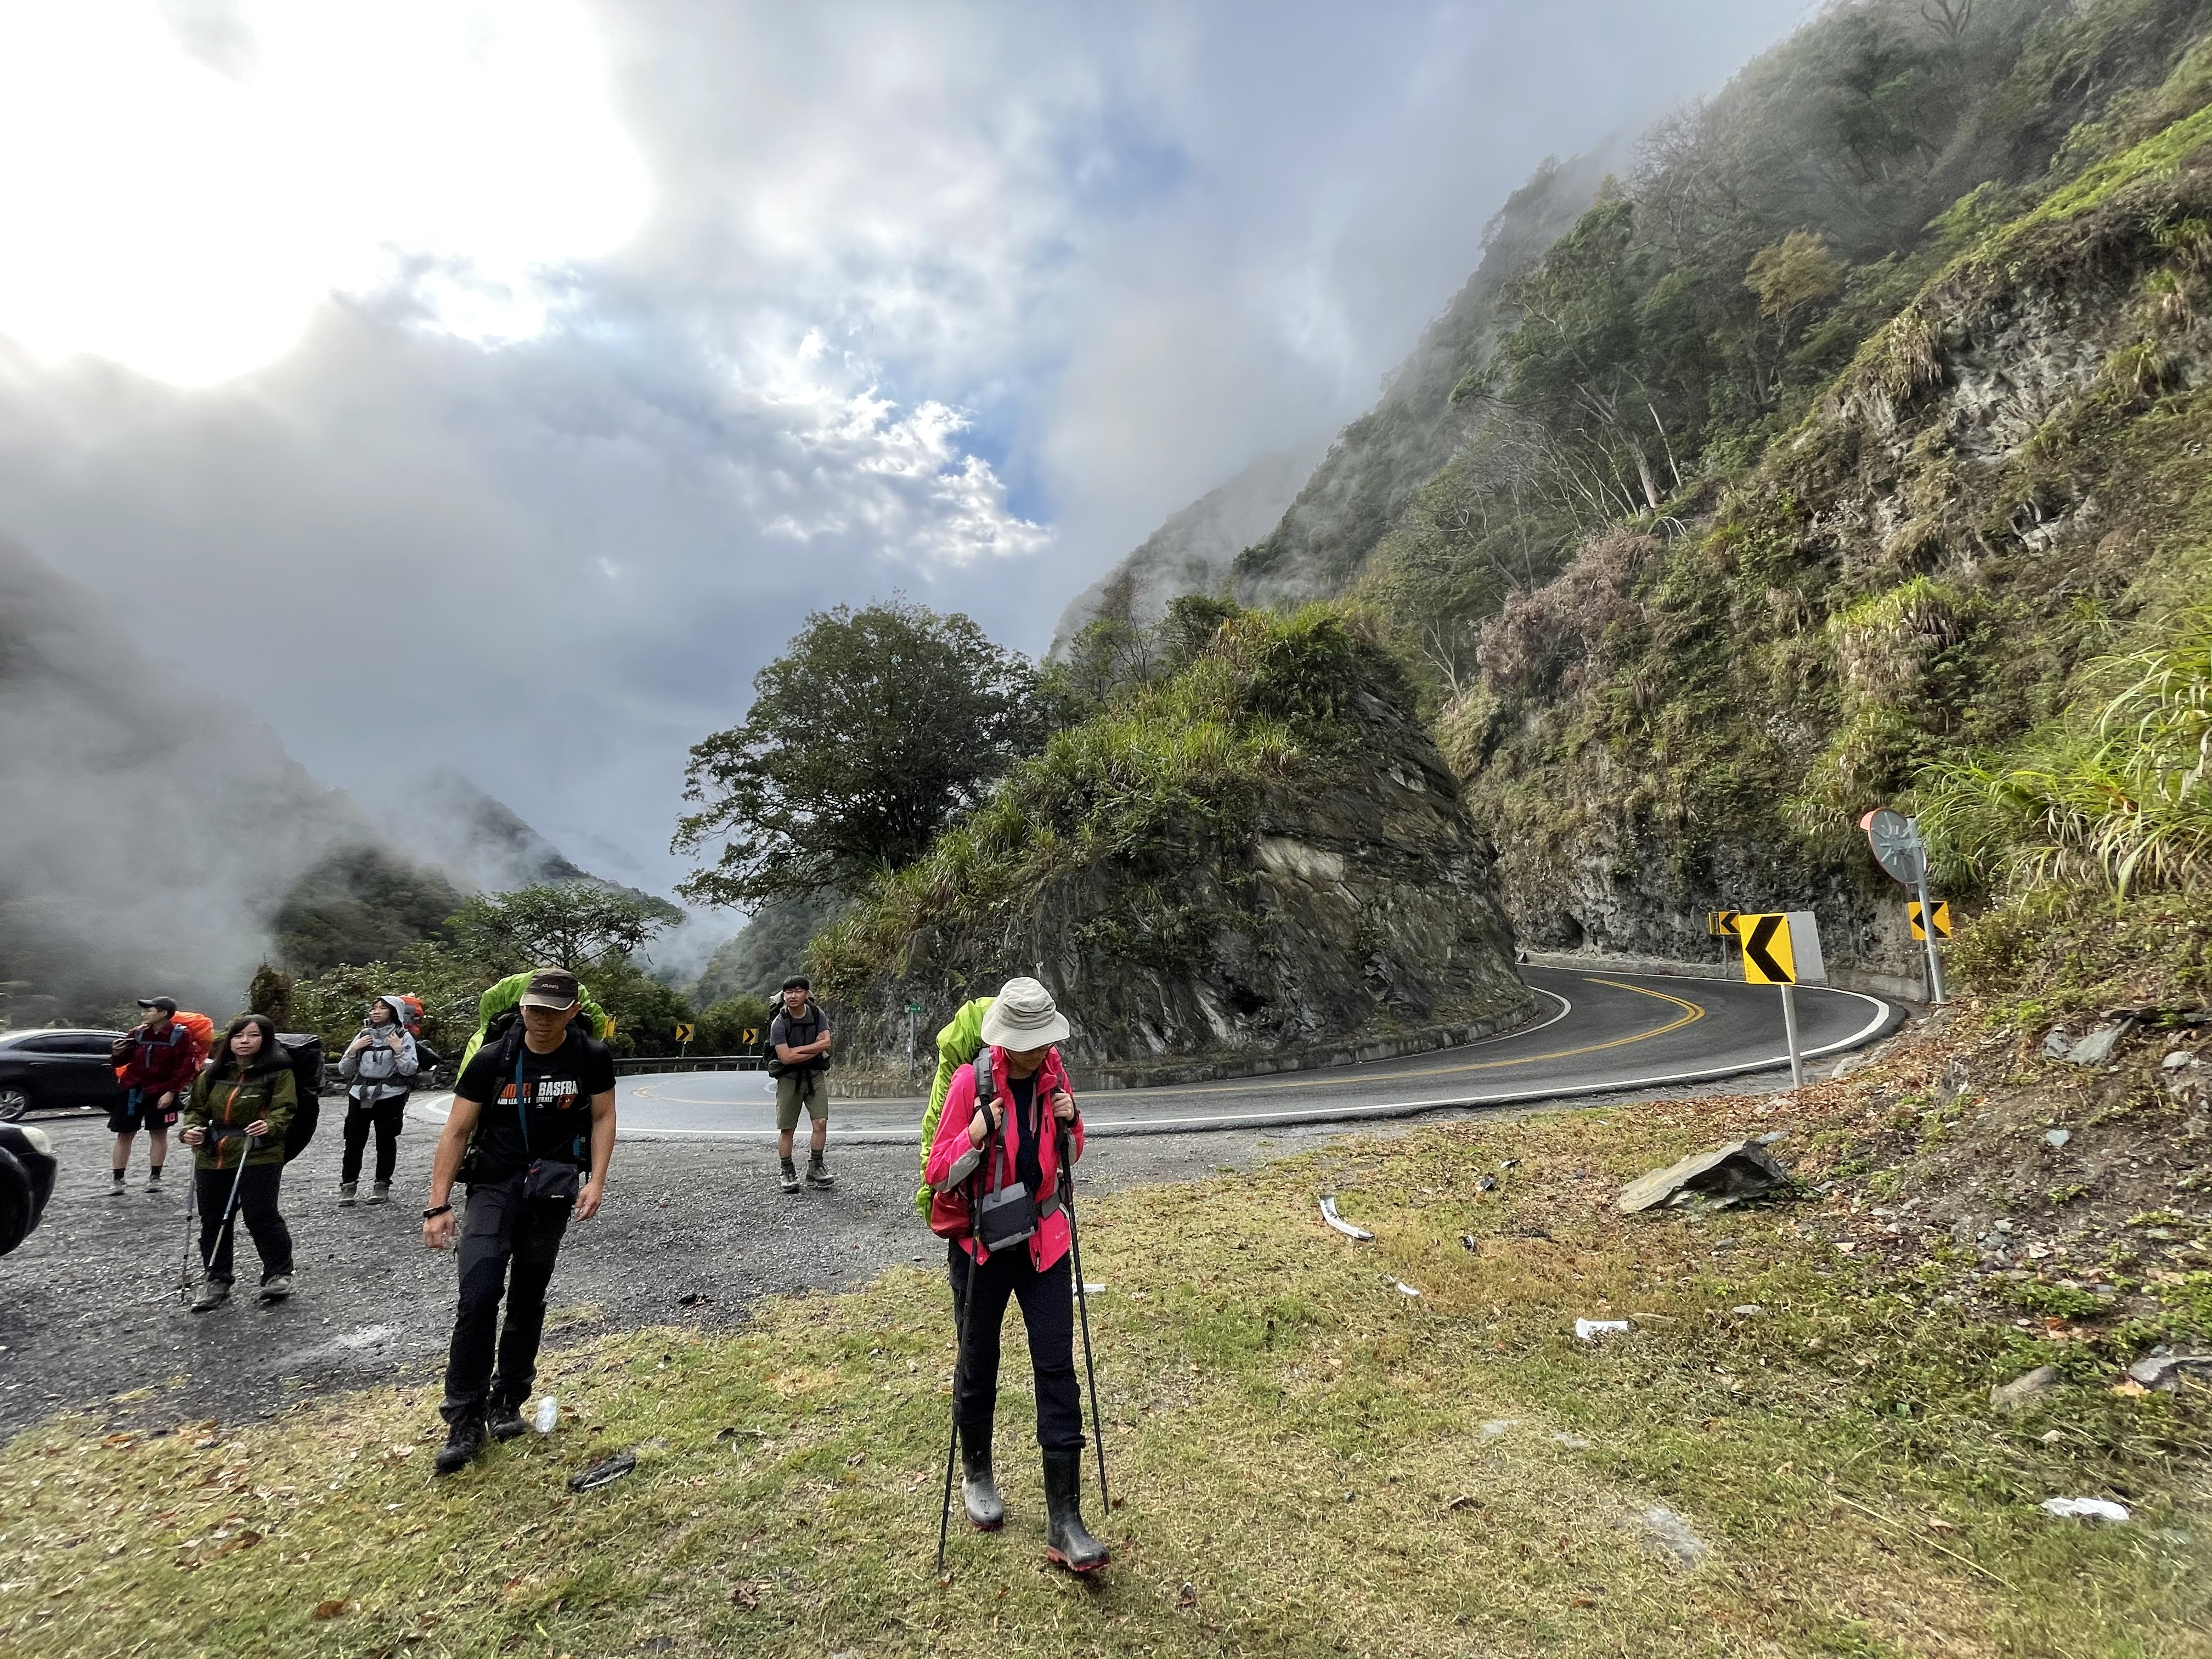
(872, 731)
(579, 925)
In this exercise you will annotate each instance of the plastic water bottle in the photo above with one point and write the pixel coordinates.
(549, 1413)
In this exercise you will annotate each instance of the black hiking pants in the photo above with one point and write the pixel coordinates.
(257, 1213)
(384, 1117)
(1047, 1305)
(508, 1246)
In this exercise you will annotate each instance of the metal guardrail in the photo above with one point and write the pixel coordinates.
(641, 1065)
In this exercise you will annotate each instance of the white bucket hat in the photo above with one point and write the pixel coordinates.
(1023, 1016)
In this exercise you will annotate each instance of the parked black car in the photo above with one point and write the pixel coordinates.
(52, 1071)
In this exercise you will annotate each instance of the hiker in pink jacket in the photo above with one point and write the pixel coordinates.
(1026, 1106)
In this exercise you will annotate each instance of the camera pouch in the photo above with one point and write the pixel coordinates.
(1006, 1217)
(552, 1178)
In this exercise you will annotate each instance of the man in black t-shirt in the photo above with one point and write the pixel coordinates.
(534, 1117)
(799, 1038)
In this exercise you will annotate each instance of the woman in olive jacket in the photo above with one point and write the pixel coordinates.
(239, 1106)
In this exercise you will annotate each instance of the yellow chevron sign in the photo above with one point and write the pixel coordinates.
(1781, 947)
(1941, 916)
(683, 1034)
(1721, 924)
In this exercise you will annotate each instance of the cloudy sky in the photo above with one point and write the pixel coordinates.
(499, 383)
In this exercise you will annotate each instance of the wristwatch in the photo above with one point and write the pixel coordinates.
(432, 1215)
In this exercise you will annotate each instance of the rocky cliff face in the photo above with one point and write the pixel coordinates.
(2005, 486)
(1328, 895)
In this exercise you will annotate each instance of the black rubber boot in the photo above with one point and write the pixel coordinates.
(464, 1442)
(504, 1419)
(979, 1493)
(1066, 1540)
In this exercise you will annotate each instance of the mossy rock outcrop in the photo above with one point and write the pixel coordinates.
(1262, 863)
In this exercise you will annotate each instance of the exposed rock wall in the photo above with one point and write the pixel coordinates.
(1349, 908)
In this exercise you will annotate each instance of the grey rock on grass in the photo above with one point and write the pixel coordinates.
(1742, 1169)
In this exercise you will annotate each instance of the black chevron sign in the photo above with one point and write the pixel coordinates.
(1767, 958)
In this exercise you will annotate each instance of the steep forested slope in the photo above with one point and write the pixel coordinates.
(2003, 486)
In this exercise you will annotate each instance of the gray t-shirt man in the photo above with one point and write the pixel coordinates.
(799, 1037)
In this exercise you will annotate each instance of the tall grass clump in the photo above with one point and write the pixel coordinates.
(2116, 800)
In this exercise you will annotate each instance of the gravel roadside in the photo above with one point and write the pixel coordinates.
(90, 1317)
(693, 1233)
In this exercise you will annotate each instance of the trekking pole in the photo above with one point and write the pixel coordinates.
(230, 1209)
(191, 1207)
(1082, 1309)
(960, 1348)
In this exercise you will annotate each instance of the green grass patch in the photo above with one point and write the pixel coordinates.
(1306, 1459)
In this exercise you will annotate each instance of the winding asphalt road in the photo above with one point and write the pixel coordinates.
(90, 1315)
(1594, 1034)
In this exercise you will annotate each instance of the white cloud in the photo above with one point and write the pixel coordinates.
(181, 185)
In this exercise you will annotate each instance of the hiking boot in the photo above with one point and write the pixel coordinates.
(347, 1191)
(276, 1287)
(381, 1192)
(154, 1183)
(790, 1177)
(818, 1176)
(504, 1419)
(464, 1442)
(979, 1493)
(115, 1188)
(1066, 1543)
(213, 1294)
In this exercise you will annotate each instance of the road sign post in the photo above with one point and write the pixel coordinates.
(1903, 855)
(913, 1011)
(1782, 947)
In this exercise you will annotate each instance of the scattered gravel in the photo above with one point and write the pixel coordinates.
(90, 1317)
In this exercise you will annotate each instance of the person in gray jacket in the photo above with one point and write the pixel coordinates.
(379, 1066)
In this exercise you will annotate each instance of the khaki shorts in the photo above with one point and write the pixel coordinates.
(797, 1089)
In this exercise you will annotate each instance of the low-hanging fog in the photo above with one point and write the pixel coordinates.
(503, 407)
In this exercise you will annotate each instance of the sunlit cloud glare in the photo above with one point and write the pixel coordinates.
(181, 184)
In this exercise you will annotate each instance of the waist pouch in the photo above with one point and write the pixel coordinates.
(1009, 1216)
(552, 1178)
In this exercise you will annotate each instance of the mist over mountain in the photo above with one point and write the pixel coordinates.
(445, 819)
(151, 829)
(1192, 551)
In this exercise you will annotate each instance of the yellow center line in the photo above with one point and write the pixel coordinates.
(1692, 1013)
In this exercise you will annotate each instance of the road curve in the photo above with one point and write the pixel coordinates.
(1598, 1034)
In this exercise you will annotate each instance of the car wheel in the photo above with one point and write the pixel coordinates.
(15, 1102)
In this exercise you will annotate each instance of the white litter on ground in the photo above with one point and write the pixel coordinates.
(2085, 1509)
(1499, 1426)
(1591, 1329)
(1672, 1532)
(1329, 1214)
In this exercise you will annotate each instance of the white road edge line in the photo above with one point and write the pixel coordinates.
(1128, 1126)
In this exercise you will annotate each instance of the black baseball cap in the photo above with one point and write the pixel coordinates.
(551, 988)
(166, 1005)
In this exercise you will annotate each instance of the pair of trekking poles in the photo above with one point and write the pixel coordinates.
(218, 1134)
(968, 1312)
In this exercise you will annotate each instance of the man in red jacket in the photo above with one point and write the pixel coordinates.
(154, 1063)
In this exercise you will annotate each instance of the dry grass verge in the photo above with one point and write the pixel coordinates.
(1307, 1460)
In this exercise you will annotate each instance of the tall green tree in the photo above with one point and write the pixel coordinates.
(872, 731)
(578, 925)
